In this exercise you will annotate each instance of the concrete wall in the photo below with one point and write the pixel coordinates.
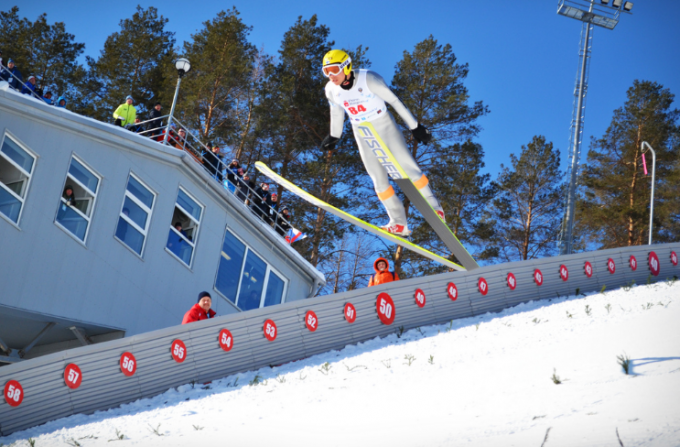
(44, 269)
(46, 396)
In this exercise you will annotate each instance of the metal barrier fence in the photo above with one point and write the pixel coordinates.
(105, 375)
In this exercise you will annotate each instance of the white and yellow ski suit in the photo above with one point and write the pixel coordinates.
(374, 129)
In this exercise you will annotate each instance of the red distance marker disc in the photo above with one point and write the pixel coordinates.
(420, 298)
(350, 313)
(178, 350)
(564, 272)
(654, 265)
(633, 263)
(226, 340)
(311, 321)
(128, 364)
(483, 286)
(512, 281)
(538, 277)
(452, 291)
(385, 308)
(14, 393)
(611, 266)
(674, 258)
(270, 331)
(73, 377)
(588, 268)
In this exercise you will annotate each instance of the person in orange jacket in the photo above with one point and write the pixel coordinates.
(382, 273)
(201, 310)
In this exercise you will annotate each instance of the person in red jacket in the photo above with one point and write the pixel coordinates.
(201, 310)
(382, 273)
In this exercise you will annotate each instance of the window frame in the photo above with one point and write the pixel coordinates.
(85, 188)
(144, 232)
(192, 218)
(29, 176)
(268, 271)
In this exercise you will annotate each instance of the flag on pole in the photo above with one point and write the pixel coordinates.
(644, 163)
(294, 235)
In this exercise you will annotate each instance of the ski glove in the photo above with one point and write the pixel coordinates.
(421, 134)
(328, 143)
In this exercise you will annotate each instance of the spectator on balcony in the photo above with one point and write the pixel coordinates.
(213, 162)
(61, 102)
(47, 97)
(283, 221)
(234, 171)
(29, 87)
(201, 310)
(136, 127)
(245, 185)
(180, 141)
(126, 113)
(172, 134)
(156, 123)
(262, 201)
(382, 273)
(12, 75)
(273, 208)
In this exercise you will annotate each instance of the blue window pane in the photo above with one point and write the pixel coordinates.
(229, 270)
(274, 293)
(252, 282)
(189, 205)
(72, 221)
(139, 191)
(128, 234)
(135, 213)
(18, 155)
(84, 176)
(9, 205)
(181, 248)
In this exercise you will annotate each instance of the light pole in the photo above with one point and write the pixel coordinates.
(590, 13)
(651, 200)
(183, 66)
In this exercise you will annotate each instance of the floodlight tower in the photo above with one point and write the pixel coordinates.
(590, 13)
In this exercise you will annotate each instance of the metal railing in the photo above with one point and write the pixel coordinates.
(219, 171)
(33, 93)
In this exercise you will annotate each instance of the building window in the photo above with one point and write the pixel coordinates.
(16, 167)
(245, 278)
(78, 198)
(184, 227)
(135, 215)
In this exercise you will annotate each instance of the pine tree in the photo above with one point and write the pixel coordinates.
(525, 215)
(133, 62)
(42, 50)
(429, 81)
(217, 97)
(615, 206)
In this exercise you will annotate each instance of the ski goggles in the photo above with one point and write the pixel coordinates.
(335, 69)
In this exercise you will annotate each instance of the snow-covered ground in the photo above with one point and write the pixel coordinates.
(483, 381)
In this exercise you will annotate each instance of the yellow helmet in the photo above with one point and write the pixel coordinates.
(336, 60)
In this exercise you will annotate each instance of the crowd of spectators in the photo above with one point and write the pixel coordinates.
(258, 198)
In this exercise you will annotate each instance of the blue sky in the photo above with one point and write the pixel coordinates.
(523, 56)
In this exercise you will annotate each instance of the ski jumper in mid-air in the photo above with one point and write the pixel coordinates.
(363, 94)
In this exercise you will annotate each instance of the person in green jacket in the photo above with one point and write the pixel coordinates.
(125, 113)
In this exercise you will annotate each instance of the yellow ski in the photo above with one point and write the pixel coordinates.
(263, 168)
(368, 133)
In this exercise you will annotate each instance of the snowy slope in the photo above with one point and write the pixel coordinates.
(489, 383)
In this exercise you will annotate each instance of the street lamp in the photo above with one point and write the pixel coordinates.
(590, 14)
(183, 66)
(651, 199)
